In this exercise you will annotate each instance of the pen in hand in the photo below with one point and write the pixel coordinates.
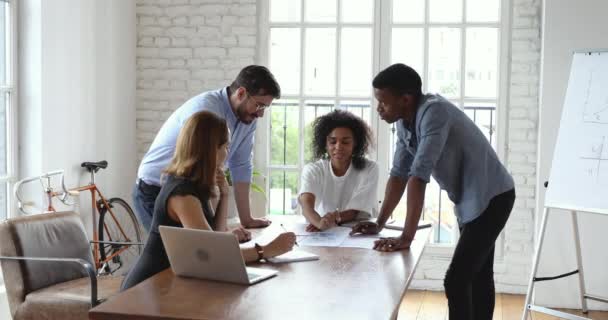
(296, 242)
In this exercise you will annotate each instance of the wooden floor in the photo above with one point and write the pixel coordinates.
(432, 305)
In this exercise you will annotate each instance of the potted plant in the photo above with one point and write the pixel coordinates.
(257, 198)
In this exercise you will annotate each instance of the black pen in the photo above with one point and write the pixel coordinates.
(282, 226)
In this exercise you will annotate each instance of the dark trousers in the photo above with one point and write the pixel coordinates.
(469, 281)
(144, 196)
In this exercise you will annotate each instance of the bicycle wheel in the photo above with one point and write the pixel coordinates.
(118, 224)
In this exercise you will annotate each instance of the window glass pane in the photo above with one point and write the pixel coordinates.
(284, 135)
(445, 10)
(444, 61)
(285, 10)
(440, 210)
(283, 192)
(4, 38)
(403, 52)
(484, 116)
(408, 11)
(356, 62)
(313, 110)
(361, 109)
(357, 11)
(320, 11)
(285, 58)
(4, 100)
(481, 77)
(3, 204)
(483, 10)
(320, 61)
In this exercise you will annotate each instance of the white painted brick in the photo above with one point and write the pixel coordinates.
(208, 32)
(149, 11)
(247, 41)
(151, 31)
(180, 21)
(176, 52)
(229, 42)
(194, 63)
(243, 31)
(145, 41)
(211, 52)
(162, 42)
(174, 11)
(521, 124)
(161, 84)
(208, 74)
(152, 63)
(179, 42)
(215, 21)
(177, 63)
(243, 10)
(241, 52)
(197, 20)
(147, 20)
(178, 84)
(212, 10)
(230, 20)
(248, 21)
(181, 31)
(164, 21)
(208, 63)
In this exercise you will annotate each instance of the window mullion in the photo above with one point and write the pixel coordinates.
(425, 56)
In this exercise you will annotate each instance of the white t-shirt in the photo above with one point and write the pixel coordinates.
(355, 190)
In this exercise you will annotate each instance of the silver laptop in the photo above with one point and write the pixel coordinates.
(209, 255)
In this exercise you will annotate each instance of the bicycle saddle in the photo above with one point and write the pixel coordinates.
(95, 165)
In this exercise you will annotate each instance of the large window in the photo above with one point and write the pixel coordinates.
(7, 104)
(325, 54)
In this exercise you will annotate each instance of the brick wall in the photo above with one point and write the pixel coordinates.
(188, 46)
(185, 47)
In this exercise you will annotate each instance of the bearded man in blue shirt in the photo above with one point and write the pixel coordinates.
(437, 138)
(240, 105)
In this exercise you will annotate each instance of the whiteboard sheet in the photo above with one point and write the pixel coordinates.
(579, 170)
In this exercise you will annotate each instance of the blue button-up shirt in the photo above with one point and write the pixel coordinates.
(445, 143)
(161, 151)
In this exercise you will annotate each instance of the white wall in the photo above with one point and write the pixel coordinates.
(77, 63)
(568, 26)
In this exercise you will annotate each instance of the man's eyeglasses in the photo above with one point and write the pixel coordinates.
(258, 105)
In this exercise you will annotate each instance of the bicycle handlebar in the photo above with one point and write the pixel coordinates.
(48, 175)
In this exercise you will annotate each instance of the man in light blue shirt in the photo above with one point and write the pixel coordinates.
(240, 105)
(436, 138)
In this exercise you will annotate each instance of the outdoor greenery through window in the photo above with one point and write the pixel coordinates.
(324, 53)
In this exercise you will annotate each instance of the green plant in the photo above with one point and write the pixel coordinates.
(254, 186)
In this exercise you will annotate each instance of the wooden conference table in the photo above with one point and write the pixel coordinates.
(345, 283)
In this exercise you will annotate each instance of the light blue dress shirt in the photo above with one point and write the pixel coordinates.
(448, 145)
(239, 159)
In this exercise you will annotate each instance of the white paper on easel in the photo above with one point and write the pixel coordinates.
(579, 171)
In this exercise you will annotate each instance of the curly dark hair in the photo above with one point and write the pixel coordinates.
(324, 125)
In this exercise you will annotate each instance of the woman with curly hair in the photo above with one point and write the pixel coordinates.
(340, 186)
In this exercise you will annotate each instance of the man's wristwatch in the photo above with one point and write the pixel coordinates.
(260, 251)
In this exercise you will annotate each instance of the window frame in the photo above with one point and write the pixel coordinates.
(381, 33)
(11, 111)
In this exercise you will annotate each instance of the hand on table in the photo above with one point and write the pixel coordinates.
(392, 244)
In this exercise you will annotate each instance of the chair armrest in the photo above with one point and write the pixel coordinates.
(85, 265)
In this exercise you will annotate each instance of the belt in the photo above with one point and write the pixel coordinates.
(143, 186)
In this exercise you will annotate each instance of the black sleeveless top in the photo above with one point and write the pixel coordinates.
(154, 257)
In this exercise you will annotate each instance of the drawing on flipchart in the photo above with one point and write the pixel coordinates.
(595, 105)
(595, 160)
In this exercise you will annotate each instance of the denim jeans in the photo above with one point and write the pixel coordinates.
(469, 281)
(144, 197)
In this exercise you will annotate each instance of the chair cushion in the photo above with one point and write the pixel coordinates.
(66, 300)
(43, 235)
